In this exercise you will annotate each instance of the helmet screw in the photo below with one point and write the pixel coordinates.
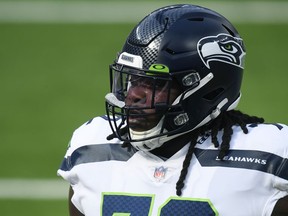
(191, 79)
(181, 119)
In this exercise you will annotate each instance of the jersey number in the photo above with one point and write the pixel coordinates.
(141, 205)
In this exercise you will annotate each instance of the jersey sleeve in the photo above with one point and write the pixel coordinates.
(92, 132)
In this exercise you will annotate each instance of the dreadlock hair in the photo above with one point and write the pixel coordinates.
(225, 121)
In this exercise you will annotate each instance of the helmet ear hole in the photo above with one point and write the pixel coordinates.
(214, 94)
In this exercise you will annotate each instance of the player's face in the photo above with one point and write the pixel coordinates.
(142, 95)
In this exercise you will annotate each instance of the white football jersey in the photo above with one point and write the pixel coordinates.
(109, 180)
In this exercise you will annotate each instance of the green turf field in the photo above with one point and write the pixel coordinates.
(34, 207)
(53, 77)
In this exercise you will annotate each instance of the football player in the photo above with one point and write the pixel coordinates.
(172, 142)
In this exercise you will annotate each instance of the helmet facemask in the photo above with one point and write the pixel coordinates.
(144, 102)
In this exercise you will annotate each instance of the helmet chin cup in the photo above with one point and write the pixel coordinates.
(150, 144)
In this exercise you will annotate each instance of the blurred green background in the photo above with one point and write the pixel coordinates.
(53, 78)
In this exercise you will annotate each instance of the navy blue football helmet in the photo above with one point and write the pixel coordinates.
(187, 47)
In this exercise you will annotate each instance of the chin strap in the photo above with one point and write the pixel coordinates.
(214, 114)
(150, 144)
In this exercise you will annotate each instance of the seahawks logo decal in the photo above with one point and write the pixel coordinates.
(223, 48)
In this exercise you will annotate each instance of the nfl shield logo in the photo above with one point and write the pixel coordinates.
(160, 173)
